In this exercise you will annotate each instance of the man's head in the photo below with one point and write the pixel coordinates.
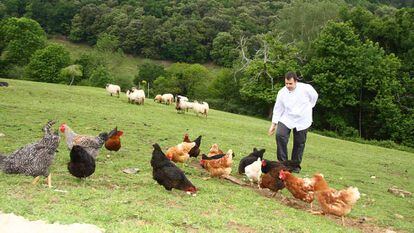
(290, 80)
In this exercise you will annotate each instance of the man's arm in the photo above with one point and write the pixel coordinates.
(312, 94)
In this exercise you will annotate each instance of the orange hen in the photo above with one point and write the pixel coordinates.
(180, 152)
(300, 188)
(218, 165)
(332, 201)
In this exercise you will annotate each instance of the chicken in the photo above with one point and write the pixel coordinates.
(186, 138)
(81, 163)
(195, 151)
(34, 159)
(205, 157)
(302, 189)
(268, 165)
(254, 172)
(272, 169)
(91, 144)
(214, 150)
(251, 158)
(332, 201)
(168, 174)
(218, 165)
(180, 152)
(114, 142)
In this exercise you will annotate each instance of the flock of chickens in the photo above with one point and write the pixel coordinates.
(35, 159)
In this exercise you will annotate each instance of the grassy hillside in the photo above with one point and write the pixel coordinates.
(120, 202)
(119, 65)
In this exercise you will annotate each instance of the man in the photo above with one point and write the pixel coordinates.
(292, 110)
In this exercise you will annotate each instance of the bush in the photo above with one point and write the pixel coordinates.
(45, 64)
(89, 62)
(125, 82)
(149, 72)
(100, 77)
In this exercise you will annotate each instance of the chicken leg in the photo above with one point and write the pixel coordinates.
(49, 180)
(35, 180)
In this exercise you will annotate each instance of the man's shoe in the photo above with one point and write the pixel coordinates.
(296, 170)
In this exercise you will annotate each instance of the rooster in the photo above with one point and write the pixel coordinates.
(302, 189)
(81, 163)
(114, 142)
(332, 201)
(218, 165)
(251, 158)
(91, 144)
(167, 174)
(34, 159)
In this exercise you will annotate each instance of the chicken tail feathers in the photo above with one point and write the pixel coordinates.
(353, 195)
(2, 158)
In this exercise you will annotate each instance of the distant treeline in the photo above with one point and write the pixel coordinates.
(359, 55)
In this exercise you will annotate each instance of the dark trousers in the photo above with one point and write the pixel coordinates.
(282, 139)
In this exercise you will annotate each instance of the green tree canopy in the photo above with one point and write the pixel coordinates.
(19, 39)
(45, 64)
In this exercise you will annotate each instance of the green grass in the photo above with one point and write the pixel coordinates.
(119, 202)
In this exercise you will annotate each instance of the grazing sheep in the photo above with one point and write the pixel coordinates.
(167, 99)
(200, 108)
(158, 98)
(183, 98)
(113, 89)
(136, 96)
(183, 104)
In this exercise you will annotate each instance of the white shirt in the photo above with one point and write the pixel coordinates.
(294, 108)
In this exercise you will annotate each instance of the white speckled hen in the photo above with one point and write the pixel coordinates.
(34, 159)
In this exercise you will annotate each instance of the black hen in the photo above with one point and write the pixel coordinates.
(251, 158)
(167, 174)
(195, 151)
(81, 163)
(288, 165)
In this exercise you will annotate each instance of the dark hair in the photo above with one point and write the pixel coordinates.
(289, 75)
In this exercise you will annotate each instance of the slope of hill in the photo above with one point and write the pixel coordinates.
(120, 202)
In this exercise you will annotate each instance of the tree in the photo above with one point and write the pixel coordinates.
(71, 72)
(357, 84)
(107, 43)
(302, 20)
(45, 64)
(224, 51)
(19, 39)
(149, 71)
(100, 77)
(187, 76)
(89, 62)
(260, 73)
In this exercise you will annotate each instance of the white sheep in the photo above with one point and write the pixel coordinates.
(183, 104)
(158, 98)
(113, 89)
(183, 98)
(200, 108)
(136, 96)
(167, 98)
